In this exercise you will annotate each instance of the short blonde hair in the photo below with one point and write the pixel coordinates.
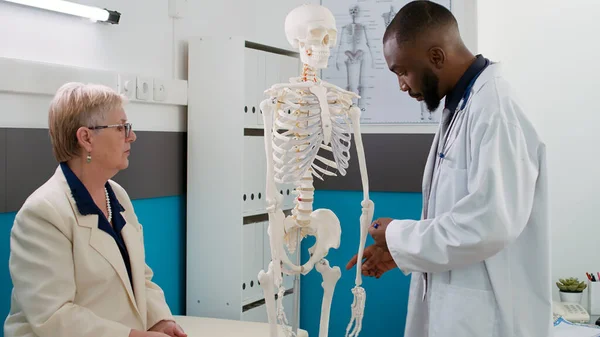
(76, 105)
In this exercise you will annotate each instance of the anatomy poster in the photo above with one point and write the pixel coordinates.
(357, 63)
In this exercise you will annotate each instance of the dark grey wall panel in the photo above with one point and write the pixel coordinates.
(2, 170)
(395, 163)
(29, 163)
(157, 165)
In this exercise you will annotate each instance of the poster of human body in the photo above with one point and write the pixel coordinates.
(357, 62)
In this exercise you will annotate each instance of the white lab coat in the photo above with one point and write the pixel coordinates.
(480, 255)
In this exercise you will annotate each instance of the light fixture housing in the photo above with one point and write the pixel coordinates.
(93, 13)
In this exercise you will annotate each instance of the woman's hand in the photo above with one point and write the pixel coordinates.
(170, 328)
(138, 333)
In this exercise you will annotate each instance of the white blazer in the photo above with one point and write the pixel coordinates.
(68, 275)
(480, 256)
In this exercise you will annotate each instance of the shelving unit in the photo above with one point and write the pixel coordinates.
(227, 241)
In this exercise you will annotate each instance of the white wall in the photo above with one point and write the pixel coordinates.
(219, 18)
(550, 52)
(149, 42)
(141, 43)
(146, 41)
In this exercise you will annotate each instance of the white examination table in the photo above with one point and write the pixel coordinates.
(213, 327)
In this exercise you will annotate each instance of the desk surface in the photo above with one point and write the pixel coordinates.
(214, 327)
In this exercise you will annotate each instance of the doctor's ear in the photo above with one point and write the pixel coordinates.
(85, 138)
(437, 57)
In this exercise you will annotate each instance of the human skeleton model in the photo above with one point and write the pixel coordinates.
(300, 118)
(388, 16)
(354, 35)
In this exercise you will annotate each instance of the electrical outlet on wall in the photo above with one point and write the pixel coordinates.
(127, 85)
(160, 90)
(144, 88)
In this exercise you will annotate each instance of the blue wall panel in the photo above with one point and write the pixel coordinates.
(6, 220)
(387, 297)
(164, 234)
(164, 229)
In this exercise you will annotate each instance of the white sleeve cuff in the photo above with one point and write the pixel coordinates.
(393, 238)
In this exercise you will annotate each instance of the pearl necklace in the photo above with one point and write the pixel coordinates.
(108, 205)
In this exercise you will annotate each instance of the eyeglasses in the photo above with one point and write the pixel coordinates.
(120, 127)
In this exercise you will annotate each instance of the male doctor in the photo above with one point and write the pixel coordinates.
(480, 255)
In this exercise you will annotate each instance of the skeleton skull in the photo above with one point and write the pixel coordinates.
(311, 29)
(353, 11)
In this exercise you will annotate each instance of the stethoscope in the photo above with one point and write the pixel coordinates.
(460, 109)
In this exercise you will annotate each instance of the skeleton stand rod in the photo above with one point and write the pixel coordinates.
(296, 321)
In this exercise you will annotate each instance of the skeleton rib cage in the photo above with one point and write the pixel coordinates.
(297, 138)
(298, 135)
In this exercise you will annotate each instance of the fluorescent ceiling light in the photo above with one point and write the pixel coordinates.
(92, 13)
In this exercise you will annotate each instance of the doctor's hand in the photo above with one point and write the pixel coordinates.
(377, 261)
(377, 232)
(170, 328)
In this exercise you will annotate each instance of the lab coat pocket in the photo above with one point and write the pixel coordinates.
(464, 312)
(452, 186)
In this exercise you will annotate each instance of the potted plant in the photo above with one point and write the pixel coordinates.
(571, 289)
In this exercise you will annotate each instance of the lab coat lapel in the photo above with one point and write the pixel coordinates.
(133, 241)
(430, 167)
(102, 242)
(428, 174)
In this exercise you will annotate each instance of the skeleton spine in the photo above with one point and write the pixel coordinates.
(304, 198)
(309, 74)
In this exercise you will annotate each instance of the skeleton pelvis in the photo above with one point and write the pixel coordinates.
(324, 225)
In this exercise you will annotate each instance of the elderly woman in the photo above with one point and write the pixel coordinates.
(77, 251)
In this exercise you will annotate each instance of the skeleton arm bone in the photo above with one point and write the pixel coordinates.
(367, 205)
(272, 278)
(369, 47)
(339, 48)
(273, 198)
(358, 305)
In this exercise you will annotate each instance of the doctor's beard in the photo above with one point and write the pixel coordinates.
(430, 84)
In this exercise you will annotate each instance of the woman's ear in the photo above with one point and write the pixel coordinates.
(85, 138)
